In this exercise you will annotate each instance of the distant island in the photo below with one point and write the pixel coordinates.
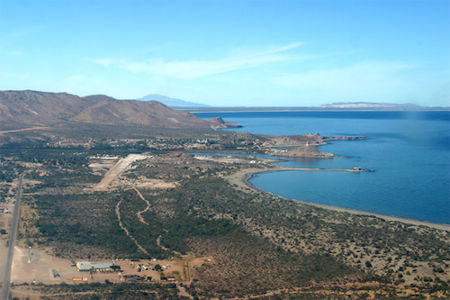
(372, 105)
(338, 106)
(335, 106)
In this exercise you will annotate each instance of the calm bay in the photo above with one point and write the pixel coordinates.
(409, 151)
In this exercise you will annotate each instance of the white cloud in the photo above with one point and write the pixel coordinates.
(191, 69)
(359, 80)
(365, 72)
(286, 47)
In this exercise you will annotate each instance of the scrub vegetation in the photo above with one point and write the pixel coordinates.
(260, 244)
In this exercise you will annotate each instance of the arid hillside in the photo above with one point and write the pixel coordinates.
(20, 109)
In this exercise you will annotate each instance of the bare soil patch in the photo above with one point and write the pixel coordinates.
(117, 169)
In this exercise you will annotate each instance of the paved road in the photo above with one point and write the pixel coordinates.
(12, 241)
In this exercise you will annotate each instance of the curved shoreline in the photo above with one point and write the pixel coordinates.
(246, 174)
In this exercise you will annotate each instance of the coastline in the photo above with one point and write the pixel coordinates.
(243, 109)
(242, 177)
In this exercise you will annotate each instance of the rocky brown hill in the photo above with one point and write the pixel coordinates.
(31, 108)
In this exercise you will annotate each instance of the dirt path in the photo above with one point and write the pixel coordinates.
(31, 294)
(139, 213)
(183, 293)
(117, 169)
(141, 219)
(158, 243)
(126, 230)
(23, 129)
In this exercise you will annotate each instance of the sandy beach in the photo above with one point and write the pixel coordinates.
(242, 177)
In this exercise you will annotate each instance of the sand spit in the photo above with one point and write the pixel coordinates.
(242, 177)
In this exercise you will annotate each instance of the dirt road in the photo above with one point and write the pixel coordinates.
(21, 130)
(12, 240)
(139, 213)
(117, 169)
(142, 249)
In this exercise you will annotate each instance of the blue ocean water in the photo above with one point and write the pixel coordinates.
(409, 151)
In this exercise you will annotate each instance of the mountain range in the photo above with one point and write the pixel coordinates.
(20, 109)
(172, 102)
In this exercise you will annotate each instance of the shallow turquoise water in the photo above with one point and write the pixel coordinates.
(410, 153)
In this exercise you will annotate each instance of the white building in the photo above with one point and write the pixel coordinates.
(84, 266)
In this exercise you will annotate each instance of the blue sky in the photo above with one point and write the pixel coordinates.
(228, 53)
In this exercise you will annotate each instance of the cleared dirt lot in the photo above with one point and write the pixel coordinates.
(117, 169)
(35, 265)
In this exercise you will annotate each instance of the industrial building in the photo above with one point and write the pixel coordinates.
(84, 266)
